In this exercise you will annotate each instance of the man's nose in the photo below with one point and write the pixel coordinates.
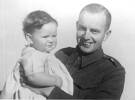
(87, 34)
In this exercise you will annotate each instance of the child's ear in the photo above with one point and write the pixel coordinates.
(28, 38)
(107, 34)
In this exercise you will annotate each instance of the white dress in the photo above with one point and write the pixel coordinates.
(41, 62)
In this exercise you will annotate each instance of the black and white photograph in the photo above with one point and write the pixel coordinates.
(67, 49)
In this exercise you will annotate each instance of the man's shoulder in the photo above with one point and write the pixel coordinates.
(64, 53)
(112, 63)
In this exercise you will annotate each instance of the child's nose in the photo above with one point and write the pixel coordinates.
(50, 39)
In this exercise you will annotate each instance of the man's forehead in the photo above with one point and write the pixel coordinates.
(85, 14)
(92, 21)
(87, 17)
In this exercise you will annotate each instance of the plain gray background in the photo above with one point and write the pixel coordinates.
(120, 45)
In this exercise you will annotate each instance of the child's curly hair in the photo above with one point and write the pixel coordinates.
(35, 20)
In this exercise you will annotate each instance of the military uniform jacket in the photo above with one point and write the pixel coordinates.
(95, 75)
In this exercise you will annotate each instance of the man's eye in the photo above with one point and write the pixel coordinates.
(82, 29)
(54, 36)
(94, 32)
(45, 36)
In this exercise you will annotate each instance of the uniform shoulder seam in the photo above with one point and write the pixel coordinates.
(113, 61)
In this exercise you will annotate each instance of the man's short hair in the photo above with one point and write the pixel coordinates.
(97, 8)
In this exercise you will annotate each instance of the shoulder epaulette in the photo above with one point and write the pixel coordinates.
(112, 60)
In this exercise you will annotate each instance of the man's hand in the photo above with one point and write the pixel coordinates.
(46, 91)
(35, 90)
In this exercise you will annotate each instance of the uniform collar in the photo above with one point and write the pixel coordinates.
(91, 57)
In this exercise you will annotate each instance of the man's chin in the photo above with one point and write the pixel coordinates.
(86, 50)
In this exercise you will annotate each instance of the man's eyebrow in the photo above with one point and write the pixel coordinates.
(94, 30)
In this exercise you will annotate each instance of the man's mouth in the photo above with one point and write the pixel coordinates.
(87, 43)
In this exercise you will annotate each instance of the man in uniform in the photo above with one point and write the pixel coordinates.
(95, 74)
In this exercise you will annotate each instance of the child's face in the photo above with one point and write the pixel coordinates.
(45, 39)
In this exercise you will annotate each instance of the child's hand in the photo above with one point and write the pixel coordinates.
(59, 81)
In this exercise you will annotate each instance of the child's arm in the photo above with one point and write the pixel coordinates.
(42, 91)
(40, 79)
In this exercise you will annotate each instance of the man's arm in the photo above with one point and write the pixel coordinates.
(112, 85)
(57, 93)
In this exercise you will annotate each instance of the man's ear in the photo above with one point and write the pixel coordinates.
(28, 38)
(107, 34)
